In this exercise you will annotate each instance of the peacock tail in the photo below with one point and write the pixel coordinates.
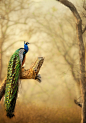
(12, 83)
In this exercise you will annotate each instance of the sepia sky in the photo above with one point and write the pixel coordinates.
(56, 74)
(50, 27)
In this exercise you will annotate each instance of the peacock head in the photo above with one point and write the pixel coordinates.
(26, 46)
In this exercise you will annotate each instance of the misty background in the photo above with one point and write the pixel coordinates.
(50, 29)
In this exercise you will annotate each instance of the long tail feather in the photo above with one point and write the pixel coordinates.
(11, 89)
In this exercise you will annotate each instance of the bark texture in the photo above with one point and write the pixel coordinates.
(81, 54)
(0, 58)
(31, 73)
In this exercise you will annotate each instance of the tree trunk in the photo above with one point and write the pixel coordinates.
(84, 108)
(0, 58)
(81, 55)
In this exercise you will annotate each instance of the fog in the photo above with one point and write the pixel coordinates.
(50, 28)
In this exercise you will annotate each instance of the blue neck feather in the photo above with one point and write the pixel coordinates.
(26, 48)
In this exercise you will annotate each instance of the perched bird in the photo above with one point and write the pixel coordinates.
(12, 82)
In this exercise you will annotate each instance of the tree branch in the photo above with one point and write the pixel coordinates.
(31, 73)
(81, 55)
(71, 7)
(2, 89)
(77, 103)
(84, 30)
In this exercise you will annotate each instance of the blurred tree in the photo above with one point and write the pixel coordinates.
(84, 4)
(81, 54)
(12, 13)
(60, 38)
(67, 45)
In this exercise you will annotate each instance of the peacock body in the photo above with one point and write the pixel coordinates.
(12, 82)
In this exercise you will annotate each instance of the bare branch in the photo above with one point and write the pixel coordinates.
(2, 88)
(31, 73)
(11, 45)
(81, 54)
(72, 8)
(77, 103)
(84, 30)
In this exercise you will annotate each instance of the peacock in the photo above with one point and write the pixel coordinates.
(13, 75)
